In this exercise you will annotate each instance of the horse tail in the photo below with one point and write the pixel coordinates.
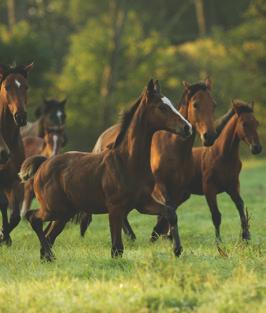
(84, 219)
(30, 166)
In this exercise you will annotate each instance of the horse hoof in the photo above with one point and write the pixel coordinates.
(246, 236)
(154, 236)
(47, 256)
(116, 253)
(5, 240)
(178, 251)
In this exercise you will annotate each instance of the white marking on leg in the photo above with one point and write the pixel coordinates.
(17, 83)
(23, 209)
(169, 103)
(55, 141)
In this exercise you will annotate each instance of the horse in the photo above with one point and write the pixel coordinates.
(114, 181)
(171, 157)
(48, 146)
(217, 168)
(49, 115)
(13, 115)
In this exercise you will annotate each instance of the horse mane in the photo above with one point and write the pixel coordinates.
(242, 107)
(188, 93)
(238, 105)
(125, 121)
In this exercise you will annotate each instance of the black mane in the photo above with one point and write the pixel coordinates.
(13, 69)
(190, 92)
(125, 121)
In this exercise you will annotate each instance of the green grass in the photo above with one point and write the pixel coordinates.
(149, 278)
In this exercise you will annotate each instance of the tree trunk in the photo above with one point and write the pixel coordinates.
(199, 6)
(11, 14)
(118, 12)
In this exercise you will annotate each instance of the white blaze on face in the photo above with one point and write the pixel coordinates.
(59, 115)
(55, 142)
(17, 83)
(169, 103)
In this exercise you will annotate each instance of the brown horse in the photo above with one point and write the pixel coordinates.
(217, 168)
(171, 157)
(114, 181)
(13, 100)
(48, 146)
(49, 115)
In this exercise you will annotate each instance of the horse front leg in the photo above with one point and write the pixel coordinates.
(15, 198)
(4, 235)
(115, 220)
(153, 207)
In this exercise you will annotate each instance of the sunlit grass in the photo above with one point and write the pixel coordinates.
(149, 278)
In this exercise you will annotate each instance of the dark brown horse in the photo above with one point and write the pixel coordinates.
(13, 101)
(217, 168)
(48, 147)
(171, 157)
(50, 114)
(114, 181)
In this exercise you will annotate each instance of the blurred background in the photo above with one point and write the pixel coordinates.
(100, 54)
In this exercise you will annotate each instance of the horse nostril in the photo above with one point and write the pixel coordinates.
(20, 118)
(256, 149)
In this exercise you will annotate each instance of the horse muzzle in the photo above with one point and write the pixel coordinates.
(20, 118)
(256, 149)
(208, 138)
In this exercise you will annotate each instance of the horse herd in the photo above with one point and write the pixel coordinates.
(146, 162)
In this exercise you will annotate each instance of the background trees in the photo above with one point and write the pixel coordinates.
(101, 53)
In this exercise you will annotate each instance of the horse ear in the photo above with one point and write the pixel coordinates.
(208, 83)
(28, 67)
(235, 106)
(150, 87)
(157, 87)
(186, 84)
(63, 102)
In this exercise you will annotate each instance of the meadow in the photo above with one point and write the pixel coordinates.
(148, 278)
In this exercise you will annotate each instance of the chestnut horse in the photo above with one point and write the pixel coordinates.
(50, 114)
(171, 157)
(114, 181)
(13, 100)
(48, 146)
(217, 168)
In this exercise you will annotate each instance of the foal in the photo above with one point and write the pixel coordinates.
(13, 100)
(114, 181)
(49, 146)
(217, 168)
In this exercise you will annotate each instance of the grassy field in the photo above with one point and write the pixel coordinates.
(149, 278)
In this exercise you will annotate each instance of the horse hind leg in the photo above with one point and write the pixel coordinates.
(85, 221)
(239, 203)
(36, 222)
(28, 197)
(128, 229)
(54, 230)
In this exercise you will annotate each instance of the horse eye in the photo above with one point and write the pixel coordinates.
(195, 105)
(8, 87)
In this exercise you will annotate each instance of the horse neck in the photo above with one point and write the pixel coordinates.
(136, 146)
(184, 147)
(228, 141)
(10, 130)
